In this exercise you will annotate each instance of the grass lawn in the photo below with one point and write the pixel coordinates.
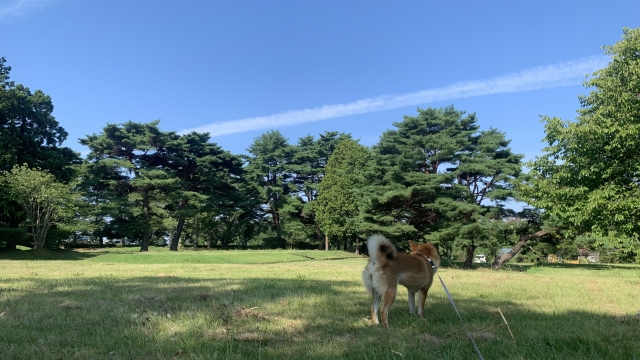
(121, 304)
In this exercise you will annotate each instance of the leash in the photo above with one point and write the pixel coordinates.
(435, 269)
(460, 317)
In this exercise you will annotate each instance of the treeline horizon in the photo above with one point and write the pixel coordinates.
(434, 176)
(437, 176)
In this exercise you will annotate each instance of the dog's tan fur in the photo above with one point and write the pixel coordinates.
(387, 268)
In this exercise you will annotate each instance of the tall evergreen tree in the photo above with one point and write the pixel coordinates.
(337, 208)
(410, 193)
(488, 169)
(134, 159)
(268, 168)
(308, 166)
(436, 177)
(208, 178)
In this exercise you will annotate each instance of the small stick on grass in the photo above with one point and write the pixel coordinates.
(508, 327)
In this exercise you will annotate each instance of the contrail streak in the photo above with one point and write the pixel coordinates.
(16, 8)
(562, 74)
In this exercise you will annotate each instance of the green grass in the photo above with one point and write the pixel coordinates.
(131, 255)
(121, 304)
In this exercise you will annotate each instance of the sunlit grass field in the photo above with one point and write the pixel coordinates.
(121, 304)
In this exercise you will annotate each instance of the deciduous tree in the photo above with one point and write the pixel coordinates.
(29, 134)
(589, 175)
(44, 199)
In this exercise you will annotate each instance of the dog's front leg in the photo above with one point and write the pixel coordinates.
(412, 302)
(375, 306)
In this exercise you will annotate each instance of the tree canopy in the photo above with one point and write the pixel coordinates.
(589, 175)
(337, 209)
(44, 200)
(31, 136)
(437, 177)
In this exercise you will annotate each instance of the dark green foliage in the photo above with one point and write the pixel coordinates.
(308, 166)
(209, 180)
(436, 177)
(337, 207)
(10, 237)
(268, 169)
(409, 194)
(29, 134)
(128, 172)
(287, 178)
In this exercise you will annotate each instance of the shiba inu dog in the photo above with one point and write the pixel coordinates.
(387, 268)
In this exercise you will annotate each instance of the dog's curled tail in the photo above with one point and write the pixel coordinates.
(381, 250)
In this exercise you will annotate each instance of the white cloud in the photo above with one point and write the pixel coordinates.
(17, 8)
(543, 77)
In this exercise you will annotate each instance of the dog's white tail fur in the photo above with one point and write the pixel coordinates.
(381, 250)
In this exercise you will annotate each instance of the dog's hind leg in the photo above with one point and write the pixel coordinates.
(422, 297)
(412, 302)
(389, 298)
(375, 306)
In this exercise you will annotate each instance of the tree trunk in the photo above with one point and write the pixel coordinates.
(516, 248)
(326, 243)
(468, 260)
(176, 236)
(144, 244)
(357, 245)
(318, 233)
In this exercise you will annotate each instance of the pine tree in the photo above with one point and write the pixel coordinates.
(410, 194)
(436, 177)
(133, 158)
(268, 168)
(208, 178)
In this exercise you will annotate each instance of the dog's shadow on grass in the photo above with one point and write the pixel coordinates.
(167, 316)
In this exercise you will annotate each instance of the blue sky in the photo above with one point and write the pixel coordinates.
(239, 68)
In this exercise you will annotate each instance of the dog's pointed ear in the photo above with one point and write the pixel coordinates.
(413, 245)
